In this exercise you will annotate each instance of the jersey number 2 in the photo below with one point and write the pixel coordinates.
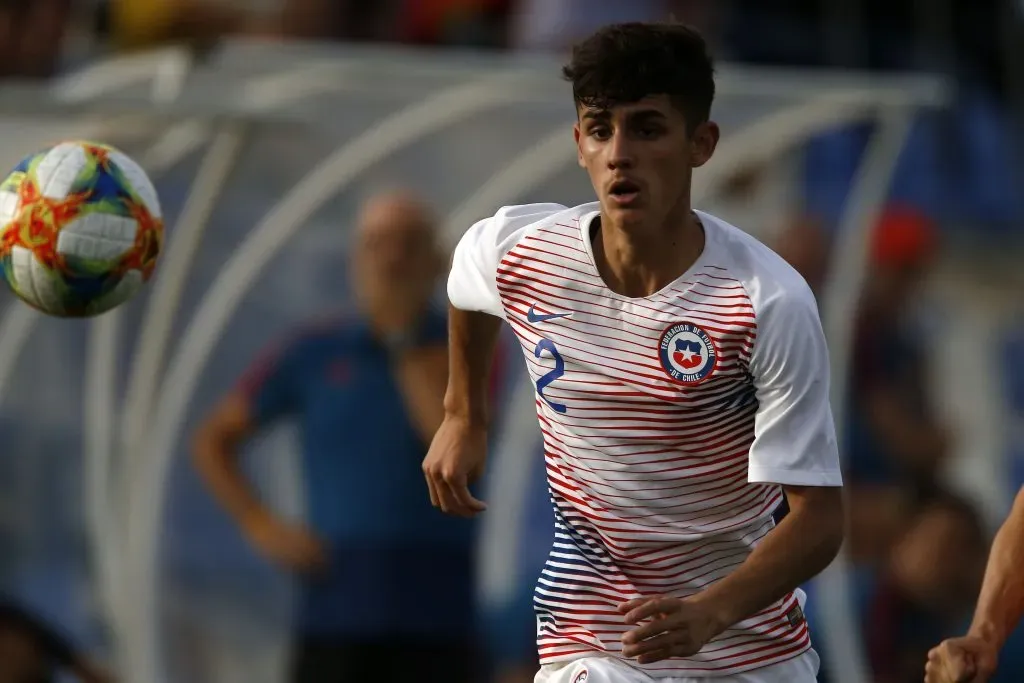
(549, 377)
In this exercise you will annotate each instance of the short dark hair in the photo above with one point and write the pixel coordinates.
(624, 63)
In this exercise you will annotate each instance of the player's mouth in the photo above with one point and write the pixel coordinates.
(624, 192)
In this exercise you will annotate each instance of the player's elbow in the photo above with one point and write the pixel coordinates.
(203, 443)
(206, 449)
(215, 442)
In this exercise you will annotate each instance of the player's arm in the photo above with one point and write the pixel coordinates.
(1001, 604)
(795, 447)
(459, 449)
(267, 392)
(422, 373)
(1000, 608)
(473, 338)
(804, 544)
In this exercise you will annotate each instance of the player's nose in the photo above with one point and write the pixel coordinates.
(620, 152)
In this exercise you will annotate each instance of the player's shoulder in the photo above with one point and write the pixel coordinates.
(768, 279)
(510, 224)
(318, 333)
(521, 215)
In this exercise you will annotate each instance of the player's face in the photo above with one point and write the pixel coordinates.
(640, 157)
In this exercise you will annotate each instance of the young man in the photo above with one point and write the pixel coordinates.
(973, 659)
(682, 389)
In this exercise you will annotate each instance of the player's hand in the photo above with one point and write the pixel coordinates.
(667, 627)
(455, 460)
(290, 546)
(961, 660)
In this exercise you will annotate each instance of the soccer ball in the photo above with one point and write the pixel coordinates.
(80, 229)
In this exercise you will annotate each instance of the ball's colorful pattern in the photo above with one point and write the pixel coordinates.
(80, 229)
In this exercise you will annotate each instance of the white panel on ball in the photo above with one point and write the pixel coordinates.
(34, 283)
(97, 237)
(58, 170)
(139, 181)
(8, 207)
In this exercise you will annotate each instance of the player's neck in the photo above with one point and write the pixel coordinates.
(636, 260)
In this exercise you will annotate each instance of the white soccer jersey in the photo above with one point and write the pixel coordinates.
(669, 422)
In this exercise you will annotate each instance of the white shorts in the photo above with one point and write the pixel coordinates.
(802, 669)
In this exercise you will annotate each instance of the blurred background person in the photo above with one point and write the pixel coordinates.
(927, 589)
(896, 441)
(806, 246)
(901, 520)
(387, 584)
(33, 652)
(997, 616)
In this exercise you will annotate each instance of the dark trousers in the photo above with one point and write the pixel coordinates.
(381, 661)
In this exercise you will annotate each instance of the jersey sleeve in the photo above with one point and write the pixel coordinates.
(794, 433)
(473, 280)
(272, 383)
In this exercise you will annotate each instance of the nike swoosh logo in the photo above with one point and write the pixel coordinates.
(534, 317)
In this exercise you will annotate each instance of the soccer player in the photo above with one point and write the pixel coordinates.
(973, 658)
(682, 389)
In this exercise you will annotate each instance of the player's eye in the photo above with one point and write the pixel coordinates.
(649, 132)
(599, 132)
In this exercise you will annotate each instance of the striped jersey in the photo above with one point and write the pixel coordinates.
(669, 423)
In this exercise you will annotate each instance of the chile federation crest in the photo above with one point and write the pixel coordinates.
(687, 353)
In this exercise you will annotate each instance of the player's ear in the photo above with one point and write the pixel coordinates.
(703, 142)
(579, 151)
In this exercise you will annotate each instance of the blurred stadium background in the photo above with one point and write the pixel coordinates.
(264, 132)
